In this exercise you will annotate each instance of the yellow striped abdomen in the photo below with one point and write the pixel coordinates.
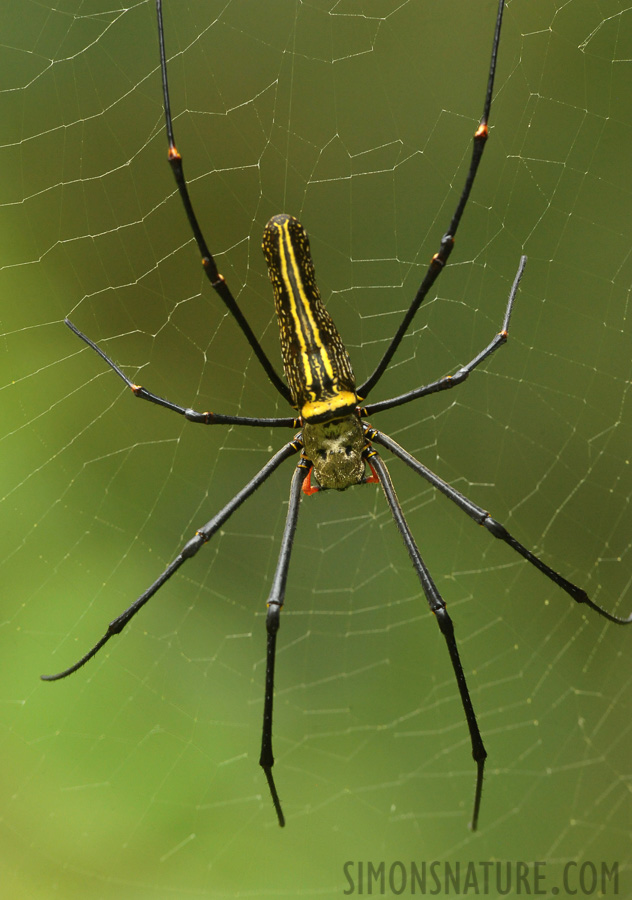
(315, 361)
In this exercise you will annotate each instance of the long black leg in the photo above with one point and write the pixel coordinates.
(274, 603)
(450, 381)
(201, 536)
(440, 258)
(437, 606)
(217, 281)
(482, 517)
(205, 418)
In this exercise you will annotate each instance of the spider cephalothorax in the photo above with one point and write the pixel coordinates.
(335, 451)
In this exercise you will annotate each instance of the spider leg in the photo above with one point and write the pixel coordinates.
(441, 257)
(218, 283)
(205, 418)
(450, 381)
(438, 607)
(482, 517)
(274, 604)
(192, 546)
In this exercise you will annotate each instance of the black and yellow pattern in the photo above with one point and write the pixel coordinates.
(316, 362)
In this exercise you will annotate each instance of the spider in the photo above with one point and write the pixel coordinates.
(334, 444)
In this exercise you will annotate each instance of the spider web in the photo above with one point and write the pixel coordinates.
(138, 776)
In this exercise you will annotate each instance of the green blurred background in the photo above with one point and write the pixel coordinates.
(139, 777)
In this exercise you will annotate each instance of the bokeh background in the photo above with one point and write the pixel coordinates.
(139, 776)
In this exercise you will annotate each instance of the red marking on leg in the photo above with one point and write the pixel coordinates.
(308, 487)
(372, 479)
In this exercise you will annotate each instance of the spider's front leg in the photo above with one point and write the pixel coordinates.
(438, 607)
(495, 528)
(275, 603)
(201, 537)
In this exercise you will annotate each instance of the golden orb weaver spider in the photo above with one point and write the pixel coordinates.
(334, 442)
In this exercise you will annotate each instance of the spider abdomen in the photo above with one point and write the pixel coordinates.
(315, 360)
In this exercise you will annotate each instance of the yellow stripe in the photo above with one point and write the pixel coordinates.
(288, 256)
(316, 410)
